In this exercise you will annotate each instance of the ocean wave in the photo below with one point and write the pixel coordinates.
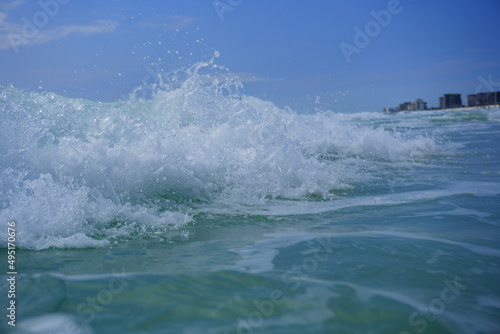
(78, 173)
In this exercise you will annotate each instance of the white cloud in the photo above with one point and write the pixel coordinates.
(5, 7)
(251, 77)
(11, 4)
(16, 35)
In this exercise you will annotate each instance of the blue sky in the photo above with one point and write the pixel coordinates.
(344, 56)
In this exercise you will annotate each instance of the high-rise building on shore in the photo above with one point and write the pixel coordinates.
(450, 101)
(481, 99)
(419, 104)
(472, 100)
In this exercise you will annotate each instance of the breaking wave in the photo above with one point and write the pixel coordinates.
(78, 173)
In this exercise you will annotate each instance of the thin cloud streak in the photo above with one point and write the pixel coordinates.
(25, 33)
(172, 22)
(11, 35)
(250, 77)
(11, 4)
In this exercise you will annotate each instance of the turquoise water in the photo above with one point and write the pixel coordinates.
(203, 210)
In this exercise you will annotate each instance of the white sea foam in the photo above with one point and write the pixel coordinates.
(494, 115)
(52, 323)
(74, 170)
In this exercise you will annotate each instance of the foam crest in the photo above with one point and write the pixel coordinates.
(329, 133)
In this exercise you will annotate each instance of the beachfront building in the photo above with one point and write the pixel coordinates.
(481, 99)
(407, 106)
(472, 100)
(450, 101)
(419, 104)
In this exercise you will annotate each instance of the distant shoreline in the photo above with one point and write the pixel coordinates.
(465, 108)
(485, 107)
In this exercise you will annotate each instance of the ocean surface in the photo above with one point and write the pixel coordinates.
(194, 208)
